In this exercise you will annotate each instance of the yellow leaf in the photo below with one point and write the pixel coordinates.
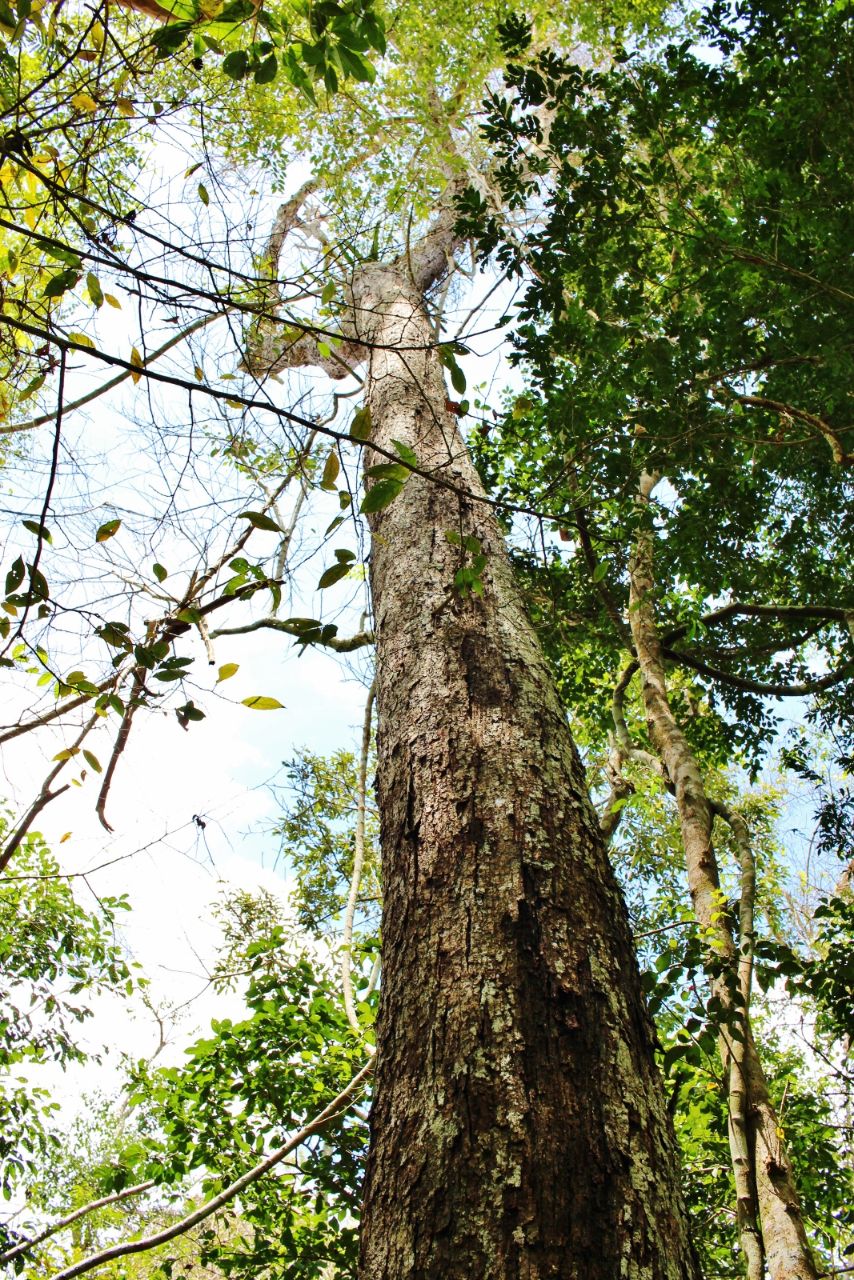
(125, 107)
(67, 836)
(82, 340)
(260, 703)
(200, 377)
(330, 471)
(113, 301)
(135, 359)
(227, 670)
(84, 102)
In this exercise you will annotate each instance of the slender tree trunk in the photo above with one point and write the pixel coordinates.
(763, 1174)
(519, 1127)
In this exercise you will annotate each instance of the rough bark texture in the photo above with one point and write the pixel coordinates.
(763, 1173)
(519, 1127)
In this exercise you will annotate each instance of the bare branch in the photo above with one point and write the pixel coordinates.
(45, 796)
(343, 644)
(55, 712)
(119, 378)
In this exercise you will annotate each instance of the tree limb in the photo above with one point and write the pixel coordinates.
(759, 686)
(26, 1245)
(789, 411)
(44, 797)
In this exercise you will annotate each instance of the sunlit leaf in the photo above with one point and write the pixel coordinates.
(84, 102)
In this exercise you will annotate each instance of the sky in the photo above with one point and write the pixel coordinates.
(217, 772)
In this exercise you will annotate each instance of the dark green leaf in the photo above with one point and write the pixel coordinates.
(259, 520)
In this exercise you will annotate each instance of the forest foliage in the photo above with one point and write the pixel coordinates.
(662, 205)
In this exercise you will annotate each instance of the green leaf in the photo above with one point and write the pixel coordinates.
(188, 712)
(115, 634)
(299, 625)
(38, 584)
(333, 574)
(93, 288)
(159, 572)
(35, 384)
(81, 340)
(40, 530)
(236, 64)
(259, 520)
(356, 66)
(59, 284)
(259, 703)
(92, 760)
(203, 194)
(266, 72)
(458, 378)
(237, 11)
(405, 453)
(15, 576)
(380, 495)
(227, 670)
(600, 571)
(360, 427)
(108, 530)
(170, 38)
(389, 471)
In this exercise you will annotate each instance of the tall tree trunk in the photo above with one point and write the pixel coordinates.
(763, 1173)
(519, 1127)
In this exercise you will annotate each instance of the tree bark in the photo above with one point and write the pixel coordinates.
(519, 1127)
(763, 1174)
